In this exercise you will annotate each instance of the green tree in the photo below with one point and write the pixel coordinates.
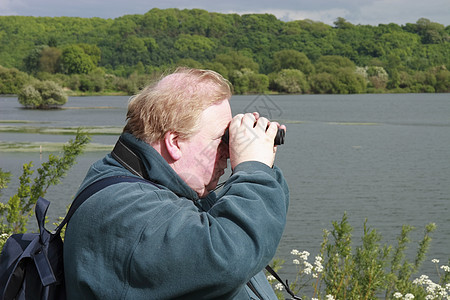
(227, 42)
(193, 44)
(246, 81)
(31, 62)
(42, 95)
(342, 23)
(349, 82)
(290, 81)
(15, 213)
(291, 59)
(343, 81)
(12, 80)
(218, 67)
(50, 60)
(331, 63)
(236, 61)
(76, 61)
(431, 32)
(323, 83)
(442, 80)
(189, 62)
(93, 51)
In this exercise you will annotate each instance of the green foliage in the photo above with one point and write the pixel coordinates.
(233, 61)
(341, 81)
(76, 61)
(31, 62)
(12, 80)
(341, 271)
(247, 81)
(227, 43)
(42, 95)
(50, 60)
(333, 63)
(290, 81)
(193, 43)
(15, 213)
(292, 59)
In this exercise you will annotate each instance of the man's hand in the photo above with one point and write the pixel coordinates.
(252, 139)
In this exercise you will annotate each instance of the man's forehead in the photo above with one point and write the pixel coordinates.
(217, 116)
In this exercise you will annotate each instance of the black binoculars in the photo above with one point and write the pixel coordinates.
(279, 138)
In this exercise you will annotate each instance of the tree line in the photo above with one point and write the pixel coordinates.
(257, 52)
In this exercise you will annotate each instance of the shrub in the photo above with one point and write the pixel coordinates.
(290, 81)
(368, 271)
(42, 95)
(15, 213)
(12, 80)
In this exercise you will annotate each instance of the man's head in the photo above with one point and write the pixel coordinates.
(175, 104)
(183, 116)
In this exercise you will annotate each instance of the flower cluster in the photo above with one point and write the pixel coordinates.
(327, 297)
(434, 290)
(302, 259)
(408, 296)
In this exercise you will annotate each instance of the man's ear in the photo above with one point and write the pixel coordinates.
(172, 146)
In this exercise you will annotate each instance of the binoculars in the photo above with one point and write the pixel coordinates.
(279, 138)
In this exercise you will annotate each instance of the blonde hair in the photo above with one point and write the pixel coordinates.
(175, 103)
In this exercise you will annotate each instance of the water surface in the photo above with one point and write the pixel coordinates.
(381, 157)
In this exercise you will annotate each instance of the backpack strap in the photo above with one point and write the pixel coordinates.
(94, 188)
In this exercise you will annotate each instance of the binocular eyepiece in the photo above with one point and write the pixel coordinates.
(279, 138)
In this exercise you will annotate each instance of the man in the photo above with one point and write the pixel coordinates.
(178, 239)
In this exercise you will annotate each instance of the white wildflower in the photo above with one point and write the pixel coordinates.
(308, 268)
(435, 261)
(314, 299)
(279, 287)
(270, 278)
(295, 252)
(329, 297)
(296, 262)
(318, 264)
(423, 279)
(409, 296)
(397, 295)
(304, 255)
(445, 268)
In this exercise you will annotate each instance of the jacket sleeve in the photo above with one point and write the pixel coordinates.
(211, 253)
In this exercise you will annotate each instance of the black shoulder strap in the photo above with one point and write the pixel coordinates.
(127, 158)
(94, 188)
(285, 284)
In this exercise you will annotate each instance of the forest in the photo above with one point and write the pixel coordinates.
(257, 53)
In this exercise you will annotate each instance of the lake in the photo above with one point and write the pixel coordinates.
(381, 157)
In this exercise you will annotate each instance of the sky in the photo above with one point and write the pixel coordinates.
(372, 12)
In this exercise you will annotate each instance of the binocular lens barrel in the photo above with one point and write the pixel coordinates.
(279, 138)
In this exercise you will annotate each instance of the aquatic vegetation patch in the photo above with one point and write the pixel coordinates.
(46, 147)
(99, 130)
(23, 122)
(353, 123)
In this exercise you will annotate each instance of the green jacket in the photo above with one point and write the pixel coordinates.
(138, 241)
